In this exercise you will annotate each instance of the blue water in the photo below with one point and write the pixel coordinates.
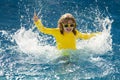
(27, 54)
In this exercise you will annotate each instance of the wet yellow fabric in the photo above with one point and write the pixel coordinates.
(66, 40)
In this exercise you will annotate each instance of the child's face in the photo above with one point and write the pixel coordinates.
(68, 26)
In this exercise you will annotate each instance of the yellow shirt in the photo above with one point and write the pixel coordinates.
(66, 40)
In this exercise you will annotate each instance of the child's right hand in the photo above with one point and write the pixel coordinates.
(35, 17)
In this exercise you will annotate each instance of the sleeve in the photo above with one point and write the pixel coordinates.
(40, 26)
(86, 36)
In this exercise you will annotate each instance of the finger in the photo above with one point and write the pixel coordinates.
(35, 14)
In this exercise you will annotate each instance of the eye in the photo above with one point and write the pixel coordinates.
(72, 25)
(66, 25)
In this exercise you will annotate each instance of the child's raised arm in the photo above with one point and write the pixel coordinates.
(41, 27)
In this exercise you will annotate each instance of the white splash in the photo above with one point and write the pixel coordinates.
(101, 43)
(28, 42)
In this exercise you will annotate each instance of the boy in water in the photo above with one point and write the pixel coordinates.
(66, 33)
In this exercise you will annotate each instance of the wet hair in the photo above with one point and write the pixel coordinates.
(65, 18)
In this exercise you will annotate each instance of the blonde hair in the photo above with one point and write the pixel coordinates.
(64, 18)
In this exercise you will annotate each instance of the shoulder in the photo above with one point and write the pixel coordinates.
(55, 30)
(77, 32)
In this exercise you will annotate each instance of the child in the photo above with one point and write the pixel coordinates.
(66, 33)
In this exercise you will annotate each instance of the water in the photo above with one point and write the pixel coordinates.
(27, 54)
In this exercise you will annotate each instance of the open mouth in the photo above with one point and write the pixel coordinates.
(68, 29)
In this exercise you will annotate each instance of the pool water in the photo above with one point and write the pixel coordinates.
(28, 54)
